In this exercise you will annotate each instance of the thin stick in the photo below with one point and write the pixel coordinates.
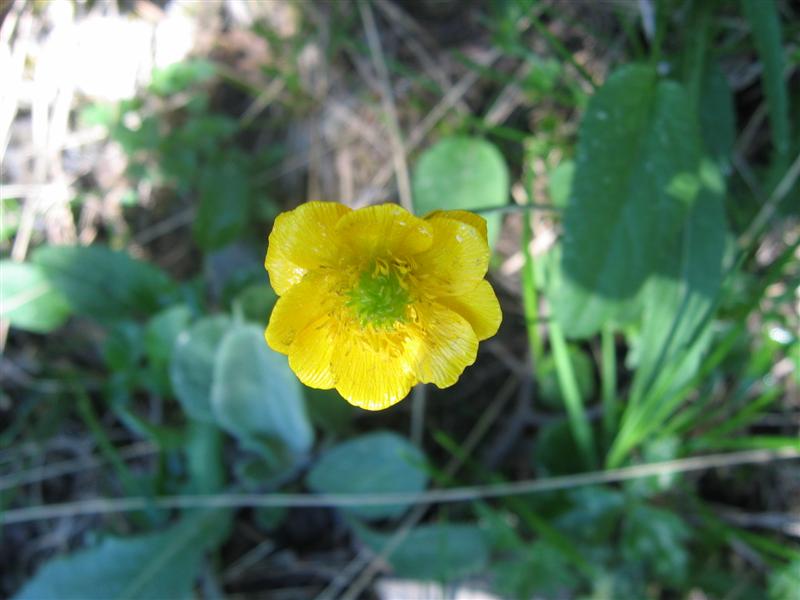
(387, 99)
(456, 494)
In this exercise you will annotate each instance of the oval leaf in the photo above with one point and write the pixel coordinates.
(636, 176)
(155, 565)
(379, 463)
(461, 173)
(102, 283)
(434, 552)
(255, 395)
(192, 365)
(28, 300)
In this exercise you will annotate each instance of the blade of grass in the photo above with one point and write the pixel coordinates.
(568, 383)
(766, 29)
(658, 406)
(530, 300)
(744, 417)
(609, 383)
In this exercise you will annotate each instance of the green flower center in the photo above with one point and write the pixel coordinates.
(380, 297)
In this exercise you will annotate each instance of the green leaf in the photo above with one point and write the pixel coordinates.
(559, 183)
(377, 463)
(255, 395)
(594, 514)
(556, 452)
(635, 178)
(784, 583)
(434, 552)
(28, 300)
(461, 173)
(255, 303)
(154, 565)
(537, 570)
(192, 365)
(180, 76)
(717, 115)
(102, 283)
(658, 539)
(766, 28)
(159, 340)
(224, 205)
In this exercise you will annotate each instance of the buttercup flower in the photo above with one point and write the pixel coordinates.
(374, 300)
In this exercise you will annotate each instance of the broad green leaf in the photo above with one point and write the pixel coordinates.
(376, 463)
(28, 300)
(461, 173)
(766, 28)
(224, 205)
(192, 365)
(255, 395)
(102, 283)
(636, 176)
(162, 564)
(717, 115)
(434, 552)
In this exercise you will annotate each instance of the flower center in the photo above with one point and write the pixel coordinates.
(380, 296)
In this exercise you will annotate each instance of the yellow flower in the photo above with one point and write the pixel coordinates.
(374, 300)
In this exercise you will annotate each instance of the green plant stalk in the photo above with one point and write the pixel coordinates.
(578, 420)
(696, 50)
(530, 300)
(562, 51)
(203, 457)
(107, 449)
(609, 383)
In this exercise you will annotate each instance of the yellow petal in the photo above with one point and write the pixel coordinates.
(386, 228)
(368, 374)
(303, 239)
(299, 306)
(457, 260)
(450, 345)
(478, 222)
(311, 354)
(479, 307)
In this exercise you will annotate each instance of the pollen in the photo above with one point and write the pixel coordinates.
(380, 297)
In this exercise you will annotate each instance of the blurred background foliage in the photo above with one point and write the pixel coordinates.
(637, 163)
